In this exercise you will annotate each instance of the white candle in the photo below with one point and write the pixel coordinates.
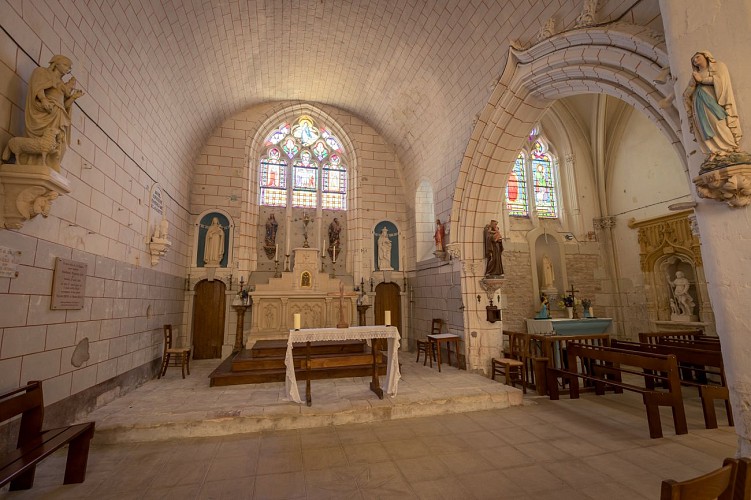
(324, 244)
(276, 252)
(387, 318)
(297, 321)
(334, 258)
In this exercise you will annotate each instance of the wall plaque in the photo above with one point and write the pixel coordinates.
(68, 284)
(157, 201)
(8, 264)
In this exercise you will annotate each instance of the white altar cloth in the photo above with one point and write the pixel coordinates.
(391, 333)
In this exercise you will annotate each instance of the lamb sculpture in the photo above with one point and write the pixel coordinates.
(24, 148)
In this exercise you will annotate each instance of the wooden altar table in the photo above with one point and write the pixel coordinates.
(391, 333)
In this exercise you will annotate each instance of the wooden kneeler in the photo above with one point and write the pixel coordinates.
(352, 360)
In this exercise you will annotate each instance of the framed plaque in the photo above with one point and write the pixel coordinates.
(68, 284)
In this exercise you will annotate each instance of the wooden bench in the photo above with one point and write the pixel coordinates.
(605, 368)
(701, 363)
(655, 337)
(34, 444)
(372, 360)
(550, 350)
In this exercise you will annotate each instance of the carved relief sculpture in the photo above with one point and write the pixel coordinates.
(160, 242)
(680, 299)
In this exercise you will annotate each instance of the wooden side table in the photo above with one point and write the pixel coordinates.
(448, 339)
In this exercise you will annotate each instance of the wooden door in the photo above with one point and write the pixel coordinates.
(388, 299)
(208, 319)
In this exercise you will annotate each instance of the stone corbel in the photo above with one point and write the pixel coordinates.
(454, 250)
(29, 191)
(731, 185)
(158, 248)
(606, 222)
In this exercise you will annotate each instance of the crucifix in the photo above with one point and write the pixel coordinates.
(573, 297)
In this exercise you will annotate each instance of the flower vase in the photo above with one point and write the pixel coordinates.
(586, 312)
(570, 311)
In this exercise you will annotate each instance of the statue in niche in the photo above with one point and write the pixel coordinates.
(439, 236)
(548, 273)
(384, 250)
(493, 243)
(712, 115)
(679, 292)
(213, 246)
(48, 106)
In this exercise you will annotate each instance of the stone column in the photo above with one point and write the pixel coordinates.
(722, 29)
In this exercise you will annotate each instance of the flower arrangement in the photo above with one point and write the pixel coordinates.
(566, 301)
(586, 303)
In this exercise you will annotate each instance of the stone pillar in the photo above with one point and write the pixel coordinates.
(722, 29)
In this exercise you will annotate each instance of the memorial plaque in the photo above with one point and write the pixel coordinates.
(157, 202)
(8, 264)
(68, 284)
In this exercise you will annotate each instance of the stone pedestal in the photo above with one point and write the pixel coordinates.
(29, 191)
(240, 309)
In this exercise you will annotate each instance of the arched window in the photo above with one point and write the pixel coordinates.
(308, 154)
(538, 165)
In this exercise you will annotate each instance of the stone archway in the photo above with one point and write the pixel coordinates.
(621, 61)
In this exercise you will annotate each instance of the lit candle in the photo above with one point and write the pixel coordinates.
(297, 321)
(387, 318)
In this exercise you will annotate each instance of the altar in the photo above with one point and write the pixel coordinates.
(352, 333)
(564, 326)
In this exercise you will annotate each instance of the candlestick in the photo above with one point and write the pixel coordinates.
(387, 318)
(334, 258)
(297, 321)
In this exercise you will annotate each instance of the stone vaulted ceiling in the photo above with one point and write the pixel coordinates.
(165, 73)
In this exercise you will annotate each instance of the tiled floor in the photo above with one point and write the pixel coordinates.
(594, 447)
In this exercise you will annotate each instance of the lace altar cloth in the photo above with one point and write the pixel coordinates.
(391, 333)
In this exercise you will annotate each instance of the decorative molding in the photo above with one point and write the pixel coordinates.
(667, 234)
(454, 250)
(731, 185)
(606, 222)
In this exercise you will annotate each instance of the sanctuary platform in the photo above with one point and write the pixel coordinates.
(173, 407)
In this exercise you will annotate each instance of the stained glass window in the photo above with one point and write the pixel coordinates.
(516, 189)
(334, 185)
(273, 179)
(305, 144)
(543, 182)
(537, 165)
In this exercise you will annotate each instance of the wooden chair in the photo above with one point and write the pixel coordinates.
(720, 484)
(514, 363)
(426, 346)
(182, 354)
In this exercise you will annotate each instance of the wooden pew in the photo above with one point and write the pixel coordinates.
(705, 362)
(605, 367)
(34, 444)
(550, 350)
(654, 337)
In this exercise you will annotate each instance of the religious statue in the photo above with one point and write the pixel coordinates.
(271, 228)
(548, 273)
(439, 236)
(335, 230)
(161, 231)
(213, 246)
(48, 108)
(680, 286)
(493, 249)
(384, 250)
(712, 115)
(544, 307)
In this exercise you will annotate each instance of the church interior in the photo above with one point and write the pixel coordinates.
(390, 181)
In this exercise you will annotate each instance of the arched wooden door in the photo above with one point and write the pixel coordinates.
(388, 299)
(208, 319)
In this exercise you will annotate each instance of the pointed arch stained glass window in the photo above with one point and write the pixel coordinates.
(273, 179)
(334, 185)
(516, 189)
(543, 182)
(305, 144)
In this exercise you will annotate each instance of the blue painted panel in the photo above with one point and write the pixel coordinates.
(203, 226)
(393, 236)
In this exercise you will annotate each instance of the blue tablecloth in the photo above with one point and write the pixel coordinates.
(584, 326)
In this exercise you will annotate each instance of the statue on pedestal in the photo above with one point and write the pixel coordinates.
(493, 242)
(384, 251)
(213, 246)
